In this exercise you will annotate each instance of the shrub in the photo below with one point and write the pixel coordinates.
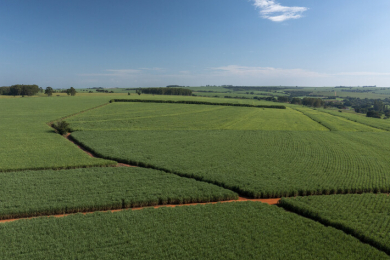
(62, 127)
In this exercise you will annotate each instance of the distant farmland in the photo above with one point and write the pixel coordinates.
(191, 153)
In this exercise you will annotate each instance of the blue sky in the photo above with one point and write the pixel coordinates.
(153, 43)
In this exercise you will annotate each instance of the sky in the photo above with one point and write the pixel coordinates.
(155, 43)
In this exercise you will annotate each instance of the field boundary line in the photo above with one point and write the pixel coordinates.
(75, 114)
(240, 199)
(318, 122)
(377, 127)
(196, 103)
(328, 223)
(242, 193)
(58, 168)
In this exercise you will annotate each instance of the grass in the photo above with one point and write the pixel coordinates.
(34, 193)
(154, 116)
(257, 163)
(241, 230)
(366, 216)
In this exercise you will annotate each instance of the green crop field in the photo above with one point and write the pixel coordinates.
(366, 216)
(238, 230)
(335, 123)
(154, 116)
(27, 142)
(361, 118)
(195, 153)
(34, 193)
(257, 163)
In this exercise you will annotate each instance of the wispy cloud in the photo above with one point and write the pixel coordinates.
(270, 9)
(362, 73)
(266, 72)
(123, 72)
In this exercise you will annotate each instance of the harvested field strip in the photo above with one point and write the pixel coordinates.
(256, 164)
(365, 216)
(240, 199)
(36, 193)
(244, 230)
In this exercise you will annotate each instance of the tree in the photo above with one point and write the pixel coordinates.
(374, 114)
(62, 127)
(49, 91)
(138, 91)
(71, 91)
(16, 90)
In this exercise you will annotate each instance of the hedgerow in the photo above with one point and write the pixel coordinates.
(35, 193)
(238, 230)
(196, 102)
(365, 216)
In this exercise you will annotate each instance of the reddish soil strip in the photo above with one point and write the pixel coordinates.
(240, 199)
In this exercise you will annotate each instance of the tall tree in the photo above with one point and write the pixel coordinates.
(49, 91)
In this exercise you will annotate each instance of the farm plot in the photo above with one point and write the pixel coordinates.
(28, 143)
(153, 116)
(245, 230)
(360, 118)
(366, 216)
(259, 164)
(35, 193)
(335, 123)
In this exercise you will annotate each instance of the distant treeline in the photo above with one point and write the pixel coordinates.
(310, 102)
(167, 91)
(20, 90)
(248, 88)
(370, 107)
(196, 103)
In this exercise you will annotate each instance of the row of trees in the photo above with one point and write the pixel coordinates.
(71, 91)
(166, 91)
(30, 90)
(20, 90)
(310, 102)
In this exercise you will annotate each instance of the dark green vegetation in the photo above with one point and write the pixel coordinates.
(62, 127)
(167, 91)
(257, 163)
(20, 90)
(195, 102)
(365, 216)
(35, 193)
(240, 230)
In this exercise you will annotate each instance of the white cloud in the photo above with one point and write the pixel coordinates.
(362, 73)
(269, 9)
(266, 72)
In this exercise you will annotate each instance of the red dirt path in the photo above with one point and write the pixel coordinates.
(240, 199)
